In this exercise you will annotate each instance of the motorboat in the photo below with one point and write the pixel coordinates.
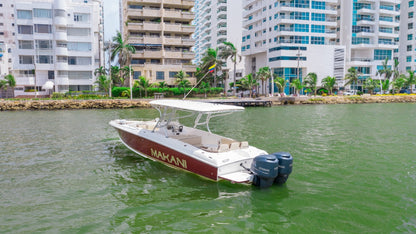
(196, 149)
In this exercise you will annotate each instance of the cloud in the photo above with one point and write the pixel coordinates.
(111, 18)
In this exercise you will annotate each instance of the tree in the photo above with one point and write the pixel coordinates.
(143, 83)
(115, 76)
(263, 74)
(182, 82)
(370, 85)
(329, 83)
(100, 71)
(297, 85)
(103, 83)
(163, 84)
(210, 58)
(352, 77)
(395, 70)
(386, 70)
(125, 73)
(11, 82)
(249, 82)
(311, 81)
(204, 86)
(230, 52)
(280, 83)
(399, 83)
(121, 49)
(411, 80)
(3, 84)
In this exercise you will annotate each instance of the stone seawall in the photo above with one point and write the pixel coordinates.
(14, 105)
(6, 105)
(344, 99)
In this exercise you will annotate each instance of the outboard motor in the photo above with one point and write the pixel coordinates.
(285, 166)
(265, 169)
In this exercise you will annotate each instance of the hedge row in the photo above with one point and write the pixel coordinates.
(168, 92)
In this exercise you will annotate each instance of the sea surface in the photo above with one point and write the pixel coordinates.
(354, 172)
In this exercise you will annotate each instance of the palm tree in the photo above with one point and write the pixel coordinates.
(352, 77)
(115, 76)
(311, 81)
(3, 84)
(399, 83)
(103, 83)
(143, 83)
(125, 73)
(100, 71)
(370, 85)
(121, 49)
(163, 84)
(297, 85)
(210, 58)
(395, 70)
(411, 80)
(249, 82)
(280, 83)
(204, 86)
(387, 72)
(182, 82)
(263, 74)
(329, 83)
(230, 52)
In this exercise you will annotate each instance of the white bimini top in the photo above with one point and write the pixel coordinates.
(202, 107)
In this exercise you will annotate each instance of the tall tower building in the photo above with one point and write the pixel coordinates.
(293, 38)
(6, 36)
(407, 46)
(161, 33)
(58, 41)
(370, 32)
(218, 21)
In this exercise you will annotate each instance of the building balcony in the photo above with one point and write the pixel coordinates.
(148, 54)
(145, 26)
(62, 51)
(145, 12)
(62, 66)
(61, 36)
(60, 21)
(145, 40)
(188, 28)
(61, 80)
(184, 3)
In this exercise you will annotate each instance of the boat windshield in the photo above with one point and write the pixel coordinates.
(203, 111)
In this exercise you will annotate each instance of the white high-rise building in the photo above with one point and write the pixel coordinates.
(293, 38)
(370, 32)
(407, 48)
(6, 36)
(58, 41)
(218, 21)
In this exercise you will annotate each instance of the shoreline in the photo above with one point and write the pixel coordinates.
(69, 104)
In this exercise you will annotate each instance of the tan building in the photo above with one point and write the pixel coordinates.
(160, 30)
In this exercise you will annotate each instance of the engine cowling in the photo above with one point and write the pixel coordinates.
(285, 166)
(265, 170)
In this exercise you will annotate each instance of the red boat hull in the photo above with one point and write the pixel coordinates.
(167, 155)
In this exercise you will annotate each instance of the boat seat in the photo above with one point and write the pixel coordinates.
(190, 139)
(235, 145)
(223, 148)
(244, 145)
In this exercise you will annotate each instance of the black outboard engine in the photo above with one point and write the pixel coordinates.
(265, 169)
(285, 166)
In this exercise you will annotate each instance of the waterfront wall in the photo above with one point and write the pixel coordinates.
(12, 105)
(6, 105)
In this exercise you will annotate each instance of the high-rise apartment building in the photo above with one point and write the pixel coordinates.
(58, 41)
(407, 42)
(6, 36)
(370, 32)
(293, 38)
(218, 21)
(160, 30)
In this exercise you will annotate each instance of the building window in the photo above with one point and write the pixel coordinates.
(409, 48)
(136, 74)
(410, 26)
(43, 28)
(44, 44)
(318, 17)
(408, 59)
(79, 46)
(410, 15)
(78, 17)
(24, 14)
(318, 28)
(79, 60)
(411, 3)
(409, 37)
(172, 74)
(44, 59)
(51, 75)
(318, 40)
(26, 45)
(160, 75)
(42, 13)
(82, 32)
(25, 29)
(23, 59)
(382, 54)
(79, 74)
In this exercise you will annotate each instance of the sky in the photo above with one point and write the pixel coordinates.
(111, 18)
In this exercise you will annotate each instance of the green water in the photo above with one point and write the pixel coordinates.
(354, 172)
